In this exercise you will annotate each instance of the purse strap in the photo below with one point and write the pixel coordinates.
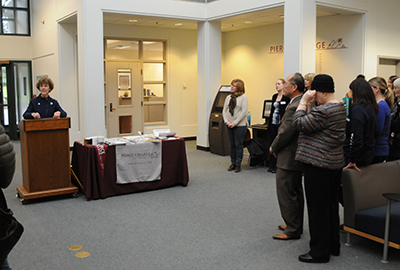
(3, 203)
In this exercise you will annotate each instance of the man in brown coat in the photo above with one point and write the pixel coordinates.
(289, 171)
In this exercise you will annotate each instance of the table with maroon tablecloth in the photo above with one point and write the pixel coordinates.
(86, 166)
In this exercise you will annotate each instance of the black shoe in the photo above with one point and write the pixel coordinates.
(335, 253)
(273, 170)
(308, 259)
(269, 169)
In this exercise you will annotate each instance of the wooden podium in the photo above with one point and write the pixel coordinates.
(45, 158)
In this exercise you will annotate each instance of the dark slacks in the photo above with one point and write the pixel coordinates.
(236, 139)
(322, 187)
(289, 189)
(273, 131)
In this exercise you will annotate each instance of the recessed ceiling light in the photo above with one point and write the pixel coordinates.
(178, 24)
(281, 16)
(248, 22)
(132, 20)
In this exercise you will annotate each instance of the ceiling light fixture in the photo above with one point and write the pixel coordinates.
(281, 16)
(178, 24)
(248, 22)
(133, 20)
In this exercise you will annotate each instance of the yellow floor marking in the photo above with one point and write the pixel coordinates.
(82, 254)
(75, 247)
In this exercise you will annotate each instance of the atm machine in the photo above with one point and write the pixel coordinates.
(217, 136)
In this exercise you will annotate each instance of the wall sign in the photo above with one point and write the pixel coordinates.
(335, 44)
(276, 49)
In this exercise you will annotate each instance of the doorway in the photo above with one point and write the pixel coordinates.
(15, 94)
(124, 94)
(388, 66)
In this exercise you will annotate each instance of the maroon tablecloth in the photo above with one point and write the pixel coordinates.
(86, 166)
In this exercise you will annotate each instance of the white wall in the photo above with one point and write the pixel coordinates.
(344, 59)
(15, 48)
(255, 56)
(226, 8)
(388, 38)
(44, 42)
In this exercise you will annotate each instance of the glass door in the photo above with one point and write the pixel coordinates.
(15, 94)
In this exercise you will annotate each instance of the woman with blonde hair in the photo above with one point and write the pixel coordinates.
(384, 98)
(278, 108)
(308, 79)
(234, 114)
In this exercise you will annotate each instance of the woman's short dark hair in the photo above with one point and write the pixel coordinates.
(45, 80)
(239, 85)
(363, 94)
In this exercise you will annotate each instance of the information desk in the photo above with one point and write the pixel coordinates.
(86, 166)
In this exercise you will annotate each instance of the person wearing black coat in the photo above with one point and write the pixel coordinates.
(43, 106)
(359, 145)
(278, 108)
(7, 169)
(394, 139)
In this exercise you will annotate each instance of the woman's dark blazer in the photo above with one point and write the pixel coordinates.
(282, 106)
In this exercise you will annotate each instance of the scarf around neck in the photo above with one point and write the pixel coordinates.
(232, 102)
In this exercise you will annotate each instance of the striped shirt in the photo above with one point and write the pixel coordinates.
(322, 133)
(276, 117)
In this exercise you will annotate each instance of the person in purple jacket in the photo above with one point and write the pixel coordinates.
(43, 106)
(384, 98)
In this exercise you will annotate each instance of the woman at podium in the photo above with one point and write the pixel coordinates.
(234, 114)
(43, 106)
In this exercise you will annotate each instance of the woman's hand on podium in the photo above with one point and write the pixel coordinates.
(35, 115)
(57, 114)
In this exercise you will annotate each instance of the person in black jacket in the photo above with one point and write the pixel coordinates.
(43, 106)
(278, 108)
(7, 169)
(394, 139)
(359, 145)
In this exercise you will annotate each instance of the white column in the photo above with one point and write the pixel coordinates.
(209, 75)
(91, 70)
(300, 27)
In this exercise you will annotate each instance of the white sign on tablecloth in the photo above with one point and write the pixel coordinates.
(140, 162)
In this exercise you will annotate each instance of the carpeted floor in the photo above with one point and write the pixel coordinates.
(221, 220)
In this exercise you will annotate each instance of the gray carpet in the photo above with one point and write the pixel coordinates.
(221, 220)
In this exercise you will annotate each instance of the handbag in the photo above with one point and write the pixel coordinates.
(10, 232)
